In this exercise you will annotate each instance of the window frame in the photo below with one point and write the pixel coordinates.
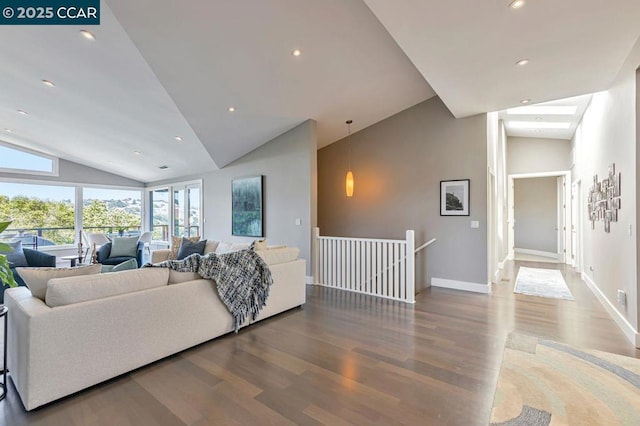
(79, 199)
(55, 162)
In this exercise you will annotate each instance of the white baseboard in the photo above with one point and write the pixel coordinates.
(552, 255)
(629, 331)
(461, 285)
(309, 279)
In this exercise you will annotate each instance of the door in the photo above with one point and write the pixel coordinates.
(575, 226)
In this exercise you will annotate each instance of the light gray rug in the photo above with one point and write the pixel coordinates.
(543, 283)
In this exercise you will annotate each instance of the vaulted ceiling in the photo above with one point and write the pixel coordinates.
(158, 70)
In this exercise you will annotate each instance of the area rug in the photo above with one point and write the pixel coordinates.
(543, 383)
(543, 283)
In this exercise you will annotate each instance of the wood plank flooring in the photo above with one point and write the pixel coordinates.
(342, 359)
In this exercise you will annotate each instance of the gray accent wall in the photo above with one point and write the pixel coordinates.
(536, 214)
(537, 155)
(289, 168)
(70, 172)
(398, 164)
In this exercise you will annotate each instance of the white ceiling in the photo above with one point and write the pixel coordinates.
(515, 115)
(162, 69)
(107, 102)
(467, 49)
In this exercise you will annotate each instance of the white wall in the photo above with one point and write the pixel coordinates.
(607, 134)
(536, 214)
(289, 168)
(497, 164)
(537, 155)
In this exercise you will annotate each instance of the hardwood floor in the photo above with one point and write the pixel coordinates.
(343, 359)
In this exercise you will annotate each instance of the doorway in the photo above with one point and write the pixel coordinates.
(538, 217)
(576, 226)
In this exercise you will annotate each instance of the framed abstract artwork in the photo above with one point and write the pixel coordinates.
(247, 217)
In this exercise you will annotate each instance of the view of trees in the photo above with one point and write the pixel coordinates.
(32, 212)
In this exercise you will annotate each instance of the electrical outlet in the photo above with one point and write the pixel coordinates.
(622, 298)
(298, 222)
(591, 268)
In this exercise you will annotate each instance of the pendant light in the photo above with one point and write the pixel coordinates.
(349, 180)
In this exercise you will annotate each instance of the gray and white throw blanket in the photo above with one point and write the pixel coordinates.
(243, 279)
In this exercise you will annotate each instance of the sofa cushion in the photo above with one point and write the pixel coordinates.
(228, 247)
(260, 244)
(279, 255)
(175, 245)
(177, 277)
(36, 278)
(187, 248)
(70, 290)
(124, 246)
(16, 255)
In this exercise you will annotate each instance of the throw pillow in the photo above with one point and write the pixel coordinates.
(125, 266)
(223, 247)
(187, 248)
(175, 246)
(16, 256)
(37, 278)
(125, 246)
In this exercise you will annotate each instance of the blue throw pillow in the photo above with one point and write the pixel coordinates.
(126, 246)
(187, 248)
(16, 257)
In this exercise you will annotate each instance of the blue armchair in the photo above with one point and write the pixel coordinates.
(35, 259)
(102, 255)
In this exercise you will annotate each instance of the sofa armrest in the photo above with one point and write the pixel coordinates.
(140, 253)
(103, 252)
(39, 259)
(158, 256)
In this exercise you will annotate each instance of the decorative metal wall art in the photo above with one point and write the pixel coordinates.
(604, 199)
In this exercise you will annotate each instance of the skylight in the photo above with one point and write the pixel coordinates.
(538, 125)
(543, 110)
(21, 160)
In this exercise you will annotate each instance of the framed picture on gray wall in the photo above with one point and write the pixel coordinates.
(246, 207)
(454, 197)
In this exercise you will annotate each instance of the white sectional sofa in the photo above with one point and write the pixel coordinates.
(90, 331)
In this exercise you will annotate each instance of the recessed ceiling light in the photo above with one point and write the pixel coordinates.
(544, 110)
(137, 152)
(163, 167)
(178, 138)
(516, 4)
(88, 35)
(22, 112)
(48, 83)
(522, 62)
(296, 52)
(232, 109)
(8, 130)
(538, 125)
(525, 101)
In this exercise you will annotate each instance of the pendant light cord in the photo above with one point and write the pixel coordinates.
(349, 143)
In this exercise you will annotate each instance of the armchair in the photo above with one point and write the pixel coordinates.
(35, 259)
(102, 255)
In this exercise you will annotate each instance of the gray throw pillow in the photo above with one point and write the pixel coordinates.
(187, 248)
(16, 256)
(125, 246)
(124, 266)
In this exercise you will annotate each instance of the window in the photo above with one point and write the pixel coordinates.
(42, 215)
(175, 210)
(22, 160)
(159, 212)
(112, 211)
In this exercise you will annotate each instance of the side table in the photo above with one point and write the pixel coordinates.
(3, 385)
(72, 260)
